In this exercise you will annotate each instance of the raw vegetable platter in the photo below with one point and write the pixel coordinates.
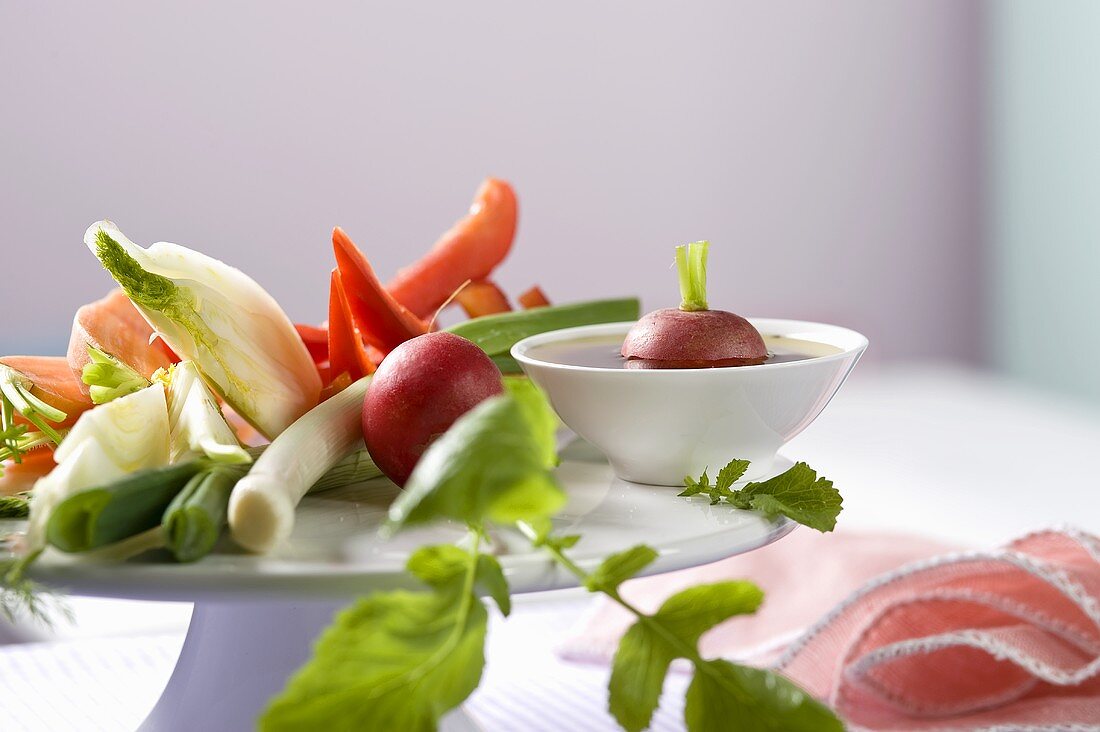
(336, 551)
(196, 444)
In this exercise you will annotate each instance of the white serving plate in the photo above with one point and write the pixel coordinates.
(336, 552)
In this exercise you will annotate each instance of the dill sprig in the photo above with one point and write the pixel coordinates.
(22, 597)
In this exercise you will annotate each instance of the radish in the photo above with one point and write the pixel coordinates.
(692, 336)
(418, 392)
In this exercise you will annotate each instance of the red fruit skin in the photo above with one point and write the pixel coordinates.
(418, 392)
(674, 338)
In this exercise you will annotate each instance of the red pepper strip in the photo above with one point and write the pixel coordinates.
(381, 319)
(316, 340)
(533, 298)
(363, 356)
(341, 336)
(469, 250)
(482, 298)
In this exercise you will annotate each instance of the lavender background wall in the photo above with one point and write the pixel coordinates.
(829, 151)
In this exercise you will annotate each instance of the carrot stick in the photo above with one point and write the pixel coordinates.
(381, 319)
(53, 382)
(533, 298)
(469, 250)
(22, 475)
(482, 298)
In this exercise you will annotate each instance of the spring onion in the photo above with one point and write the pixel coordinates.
(218, 317)
(195, 519)
(100, 516)
(261, 508)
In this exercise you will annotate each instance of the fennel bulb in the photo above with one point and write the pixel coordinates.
(195, 422)
(113, 440)
(215, 315)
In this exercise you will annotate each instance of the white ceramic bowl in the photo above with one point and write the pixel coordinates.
(658, 425)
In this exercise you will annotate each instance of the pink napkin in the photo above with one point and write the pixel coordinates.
(963, 640)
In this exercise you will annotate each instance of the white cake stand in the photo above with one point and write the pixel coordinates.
(255, 618)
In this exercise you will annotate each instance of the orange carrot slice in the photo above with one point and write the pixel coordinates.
(54, 383)
(380, 319)
(113, 325)
(20, 476)
(533, 298)
(482, 298)
(469, 250)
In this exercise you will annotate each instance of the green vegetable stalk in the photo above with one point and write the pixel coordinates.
(109, 378)
(16, 398)
(691, 265)
(195, 518)
(496, 334)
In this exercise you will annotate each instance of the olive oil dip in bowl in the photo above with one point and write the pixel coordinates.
(657, 425)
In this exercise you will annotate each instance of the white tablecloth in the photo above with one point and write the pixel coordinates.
(932, 449)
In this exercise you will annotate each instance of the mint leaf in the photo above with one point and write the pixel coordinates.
(691, 612)
(394, 660)
(618, 568)
(799, 495)
(730, 474)
(638, 673)
(641, 662)
(439, 565)
(490, 581)
(702, 485)
(487, 467)
(725, 696)
(796, 493)
(541, 417)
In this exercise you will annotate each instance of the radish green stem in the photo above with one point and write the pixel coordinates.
(691, 265)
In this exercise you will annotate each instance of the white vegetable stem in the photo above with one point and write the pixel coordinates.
(261, 507)
(106, 443)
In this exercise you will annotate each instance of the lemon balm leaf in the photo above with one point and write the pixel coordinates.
(799, 494)
(638, 672)
(541, 418)
(491, 581)
(394, 660)
(691, 612)
(619, 567)
(730, 474)
(759, 701)
(487, 467)
(650, 645)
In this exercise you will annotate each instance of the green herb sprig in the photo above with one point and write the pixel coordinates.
(798, 493)
(720, 691)
(400, 660)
